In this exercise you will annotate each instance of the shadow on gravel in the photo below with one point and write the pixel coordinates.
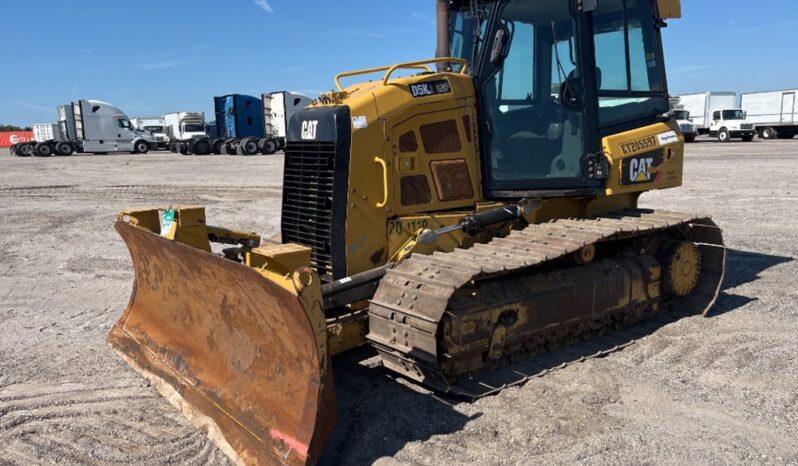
(742, 267)
(378, 416)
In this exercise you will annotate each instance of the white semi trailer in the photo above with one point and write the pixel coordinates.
(90, 126)
(154, 125)
(717, 114)
(774, 113)
(47, 140)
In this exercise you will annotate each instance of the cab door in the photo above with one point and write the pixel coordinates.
(714, 126)
(124, 130)
(533, 107)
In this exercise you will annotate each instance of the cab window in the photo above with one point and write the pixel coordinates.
(629, 62)
(123, 123)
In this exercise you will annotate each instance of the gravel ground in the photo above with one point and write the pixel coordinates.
(717, 390)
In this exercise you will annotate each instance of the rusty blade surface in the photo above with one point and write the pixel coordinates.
(235, 352)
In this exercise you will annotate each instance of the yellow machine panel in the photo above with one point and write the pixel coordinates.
(670, 9)
(643, 159)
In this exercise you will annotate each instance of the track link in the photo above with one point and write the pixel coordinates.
(407, 314)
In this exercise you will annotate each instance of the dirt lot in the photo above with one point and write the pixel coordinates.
(718, 390)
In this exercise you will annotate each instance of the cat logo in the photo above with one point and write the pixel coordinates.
(640, 169)
(309, 129)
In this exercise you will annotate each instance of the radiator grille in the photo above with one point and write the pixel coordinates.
(308, 199)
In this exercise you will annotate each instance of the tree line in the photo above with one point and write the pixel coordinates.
(14, 128)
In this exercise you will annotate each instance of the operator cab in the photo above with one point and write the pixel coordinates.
(552, 80)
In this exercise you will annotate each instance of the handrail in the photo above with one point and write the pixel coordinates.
(420, 65)
(384, 202)
(415, 64)
(369, 71)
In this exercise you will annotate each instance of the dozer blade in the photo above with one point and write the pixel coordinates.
(236, 352)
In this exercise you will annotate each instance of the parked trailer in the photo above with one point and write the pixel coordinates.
(49, 141)
(155, 125)
(90, 126)
(11, 139)
(774, 113)
(278, 109)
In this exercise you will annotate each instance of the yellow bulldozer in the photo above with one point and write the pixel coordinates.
(459, 215)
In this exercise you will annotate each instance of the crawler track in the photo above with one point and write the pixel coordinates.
(419, 312)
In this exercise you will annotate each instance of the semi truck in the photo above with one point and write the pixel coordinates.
(717, 114)
(773, 113)
(239, 120)
(682, 117)
(687, 127)
(154, 125)
(239, 128)
(90, 126)
(246, 125)
(186, 133)
(278, 108)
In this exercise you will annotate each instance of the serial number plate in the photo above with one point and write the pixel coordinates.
(430, 88)
(400, 227)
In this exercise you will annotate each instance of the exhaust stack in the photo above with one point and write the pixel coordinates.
(443, 48)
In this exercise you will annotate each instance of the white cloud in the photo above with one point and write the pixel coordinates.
(161, 65)
(38, 108)
(294, 69)
(689, 69)
(264, 5)
(353, 32)
(422, 17)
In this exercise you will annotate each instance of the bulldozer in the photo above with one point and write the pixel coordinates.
(459, 215)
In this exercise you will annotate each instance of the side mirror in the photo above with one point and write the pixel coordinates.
(497, 52)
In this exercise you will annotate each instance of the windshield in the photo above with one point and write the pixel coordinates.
(681, 115)
(154, 129)
(733, 115)
(193, 128)
(468, 27)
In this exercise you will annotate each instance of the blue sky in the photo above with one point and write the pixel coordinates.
(157, 56)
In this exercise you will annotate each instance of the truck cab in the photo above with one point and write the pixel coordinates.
(730, 124)
(184, 126)
(155, 126)
(686, 126)
(103, 128)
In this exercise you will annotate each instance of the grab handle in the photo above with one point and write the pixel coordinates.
(384, 202)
